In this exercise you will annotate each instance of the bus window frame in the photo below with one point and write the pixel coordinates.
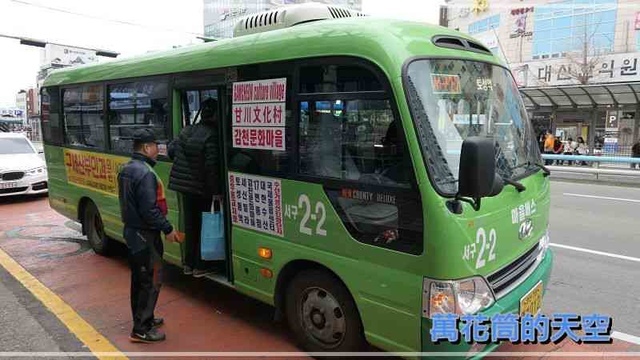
(331, 184)
(386, 93)
(64, 144)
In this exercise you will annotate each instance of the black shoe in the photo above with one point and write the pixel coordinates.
(157, 322)
(150, 336)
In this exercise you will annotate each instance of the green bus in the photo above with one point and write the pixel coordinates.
(379, 172)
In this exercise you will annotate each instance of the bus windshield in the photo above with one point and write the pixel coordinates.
(453, 99)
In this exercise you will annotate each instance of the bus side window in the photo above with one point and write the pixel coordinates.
(137, 105)
(355, 142)
(83, 119)
(352, 139)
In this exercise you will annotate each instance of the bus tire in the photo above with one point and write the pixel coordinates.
(94, 229)
(322, 314)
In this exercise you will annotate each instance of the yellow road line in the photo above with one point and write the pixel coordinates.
(76, 324)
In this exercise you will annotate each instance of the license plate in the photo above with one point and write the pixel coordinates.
(532, 301)
(9, 185)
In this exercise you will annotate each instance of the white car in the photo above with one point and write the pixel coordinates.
(23, 170)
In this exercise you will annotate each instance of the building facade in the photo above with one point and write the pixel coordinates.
(575, 62)
(220, 16)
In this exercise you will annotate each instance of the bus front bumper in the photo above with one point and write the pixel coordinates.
(510, 303)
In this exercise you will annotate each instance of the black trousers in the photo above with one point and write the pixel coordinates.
(146, 279)
(193, 207)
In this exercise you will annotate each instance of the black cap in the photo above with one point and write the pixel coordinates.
(144, 136)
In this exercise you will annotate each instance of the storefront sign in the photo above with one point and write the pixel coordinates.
(256, 203)
(92, 170)
(611, 68)
(259, 109)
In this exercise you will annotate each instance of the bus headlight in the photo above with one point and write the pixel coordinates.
(467, 296)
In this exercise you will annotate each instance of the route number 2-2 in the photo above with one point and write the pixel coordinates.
(481, 236)
(319, 215)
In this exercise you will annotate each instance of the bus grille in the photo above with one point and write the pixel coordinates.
(16, 175)
(513, 273)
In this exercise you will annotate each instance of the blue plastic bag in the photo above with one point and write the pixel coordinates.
(212, 243)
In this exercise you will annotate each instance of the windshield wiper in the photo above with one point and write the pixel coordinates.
(547, 172)
(515, 184)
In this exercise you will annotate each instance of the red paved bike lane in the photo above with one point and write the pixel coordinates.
(200, 316)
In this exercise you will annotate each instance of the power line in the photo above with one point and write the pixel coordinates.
(122, 22)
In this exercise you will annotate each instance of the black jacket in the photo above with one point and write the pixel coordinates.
(196, 161)
(137, 192)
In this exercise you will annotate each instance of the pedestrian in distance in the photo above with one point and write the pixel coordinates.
(635, 152)
(196, 177)
(143, 209)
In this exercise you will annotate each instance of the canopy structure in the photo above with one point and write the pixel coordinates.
(582, 96)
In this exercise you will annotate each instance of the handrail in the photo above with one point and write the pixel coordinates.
(597, 170)
(591, 158)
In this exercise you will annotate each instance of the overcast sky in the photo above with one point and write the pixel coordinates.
(126, 26)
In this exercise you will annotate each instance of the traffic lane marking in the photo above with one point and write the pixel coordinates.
(76, 324)
(595, 252)
(625, 337)
(602, 197)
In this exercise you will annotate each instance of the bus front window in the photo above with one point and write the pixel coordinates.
(453, 99)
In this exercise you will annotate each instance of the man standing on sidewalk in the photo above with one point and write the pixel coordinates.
(143, 209)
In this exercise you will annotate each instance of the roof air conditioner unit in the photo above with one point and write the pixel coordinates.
(287, 16)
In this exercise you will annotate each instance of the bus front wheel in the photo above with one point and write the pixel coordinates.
(94, 227)
(322, 314)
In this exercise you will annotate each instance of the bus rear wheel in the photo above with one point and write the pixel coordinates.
(322, 314)
(94, 227)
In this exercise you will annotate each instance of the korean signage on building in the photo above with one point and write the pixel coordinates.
(519, 28)
(256, 203)
(604, 69)
(258, 114)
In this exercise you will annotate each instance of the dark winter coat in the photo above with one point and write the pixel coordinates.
(196, 161)
(138, 197)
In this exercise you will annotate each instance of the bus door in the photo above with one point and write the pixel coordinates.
(191, 101)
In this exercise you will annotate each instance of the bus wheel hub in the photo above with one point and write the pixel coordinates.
(323, 317)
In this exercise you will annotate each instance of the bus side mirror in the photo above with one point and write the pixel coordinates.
(477, 177)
